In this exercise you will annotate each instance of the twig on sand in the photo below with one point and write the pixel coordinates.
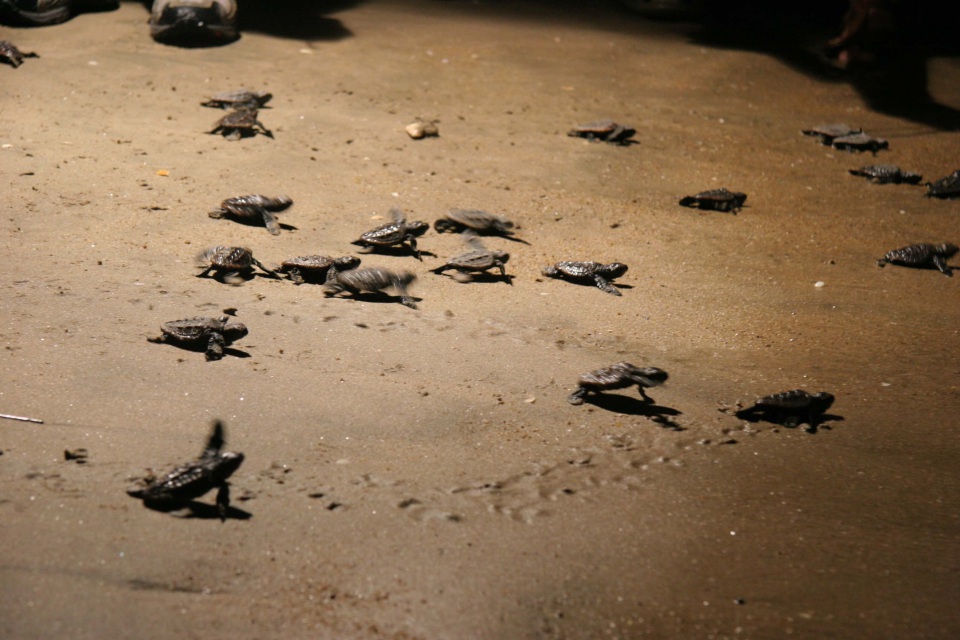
(21, 418)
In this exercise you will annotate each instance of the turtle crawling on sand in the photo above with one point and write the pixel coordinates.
(396, 233)
(187, 482)
(314, 268)
(588, 273)
(887, 174)
(716, 200)
(947, 187)
(459, 220)
(10, 54)
(240, 123)
(922, 255)
(228, 263)
(210, 334)
(254, 208)
(618, 376)
(826, 133)
(373, 280)
(479, 259)
(242, 98)
(789, 408)
(860, 142)
(604, 131)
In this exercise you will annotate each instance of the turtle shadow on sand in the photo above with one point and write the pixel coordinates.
(396, 251)
(236, 277)
(258, 223)
(618, 403)
(200, 348)
(380, 297)
(483, 277)
(200, 511)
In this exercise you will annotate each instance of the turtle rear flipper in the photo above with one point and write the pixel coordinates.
(604, 285)
(223, 501)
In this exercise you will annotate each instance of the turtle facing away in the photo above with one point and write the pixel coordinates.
(396, 233)
(826, 133)
(588, 272)
(922, 255)
(314, 268)
(254, 208)
(947, 187)
(240, 123)
(860, 142)
(373, 280)
(479, 259)
(459, 220)
(604, 131)
(211, 334)
(227, 263)
(189, 481)
(241, 98)
(716, 200)
(887, 174)
(789, 408)
(10, 54)
(618, 376)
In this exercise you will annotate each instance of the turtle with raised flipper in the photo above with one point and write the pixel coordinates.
(716, 200)
(887, 174)
(314, 268)
(588, 272)
(10, 54)
(228, 264)
(242, 98)
(254, 208)
(922, 255)
(827, 133)
(240, 123)
(187, 482)
(478, 260)
(372, 280)
(860, 142)
(618, 376)
(201, 333)
(604, 131)
(459, 220)
(396, 233)
(789, 408)
(947, 187)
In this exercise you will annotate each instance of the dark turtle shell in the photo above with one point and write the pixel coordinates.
(922, 255)
(457, 220)
(606, 130)
(11, 54)
(796, 399)
(947, 187)
(859, 142)
(886, 174)
(198, 329)
(588, 269)
(716, 200)
(238, 99)
(239, 123)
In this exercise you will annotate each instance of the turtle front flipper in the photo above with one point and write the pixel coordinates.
(270, 221)
(605, 285)
(295, 275)
(223, 501)
(577, 396)
(412, 241)
(264, 267)
(941, 264)
(215, 346)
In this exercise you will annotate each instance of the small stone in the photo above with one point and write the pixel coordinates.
(421, 129)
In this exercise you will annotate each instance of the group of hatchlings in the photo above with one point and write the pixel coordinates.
(337, 275)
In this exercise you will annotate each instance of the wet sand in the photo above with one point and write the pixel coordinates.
(419, 473)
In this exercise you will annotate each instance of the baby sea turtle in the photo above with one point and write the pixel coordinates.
(211, 334)
(789, 408)
(887, 174)
(240, 123)
(618, 376)
(187, 482)
(396, 233)
(241, 98)
(478, 259)
(860, 142)
(947, 187)
(10, 54)
(588, 272)
(605, 131)
(314, 268)
(716, 199)
(254, 208)
(922, 255)
(227, 263)
(373, 280)
(826, 133)
(459, 220)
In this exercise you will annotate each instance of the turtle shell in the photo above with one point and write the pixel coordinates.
(474, 219)
(945, 187)
(238, 258)
(239, 98)
(578, 269)
(827, 132)
(194, 329)
(859, 142)
(795, 399)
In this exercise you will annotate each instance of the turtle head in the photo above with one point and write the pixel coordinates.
(227, 463)
(650, 376)
(346, 262)
(417, 227)
(502, 256)
(947, 250)
(234, 331)
(502, 225)
(614, 269)
(823, 400)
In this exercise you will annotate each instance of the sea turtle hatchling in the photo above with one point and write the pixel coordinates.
(189, 481)
(716, 200)
(396, 233)
(588, 272)
(922, 255)
(242, 98)
(479, 259)
(886, 174)
(254, 208)
(10, 54)
(789, 408)
(227, 263)
(860, 142)
(314, 268)
(826, 133)
(372, 279)
(459, 220)
(604, 131)
(240, 123)
(947, 187)
(618, 376)
(211, 334)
